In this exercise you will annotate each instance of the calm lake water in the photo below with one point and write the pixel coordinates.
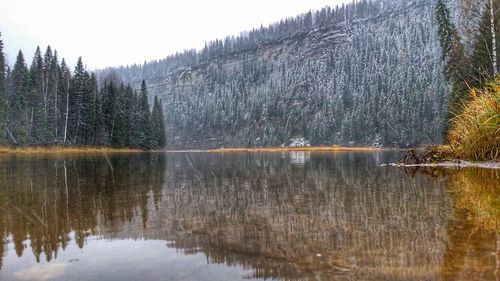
(283, 216)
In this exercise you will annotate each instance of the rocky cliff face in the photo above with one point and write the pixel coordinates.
(365, 74)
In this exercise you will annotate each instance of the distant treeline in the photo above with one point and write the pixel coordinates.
(363, 73)
(46, 105)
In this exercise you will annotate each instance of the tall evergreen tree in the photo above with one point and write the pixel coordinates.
(109, 111)
(481, 68)
(56, 98)
(158, 136)
(37, 124)
(144, 118)
(452, 53)
(64, 84)
(3, 96)
(18, 114)
(80, 105)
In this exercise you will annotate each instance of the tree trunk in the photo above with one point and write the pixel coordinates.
(493, 40)
(56, 112)
(67, 112)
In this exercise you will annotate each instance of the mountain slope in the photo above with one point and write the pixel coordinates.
(367, 74)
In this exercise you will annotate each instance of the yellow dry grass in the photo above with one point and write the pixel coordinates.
(475, 133)
(64, 150)
(334, 148)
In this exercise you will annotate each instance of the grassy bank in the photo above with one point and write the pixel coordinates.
(475, 133)
(334, 148)
(63, 149)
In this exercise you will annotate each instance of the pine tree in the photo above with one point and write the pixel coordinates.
(91, 101)
(144, 123)
(64, 83)
(158, 137)
(17, 115)
(481, 66)
(452, 53)
(35, 101)
(122, 118)
(108, 112)
(80, 100)
(56, 98)
(3, 96)
(162, 140)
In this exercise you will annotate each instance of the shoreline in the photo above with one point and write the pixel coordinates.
(333, 148)
(68, 150)
(450, 164)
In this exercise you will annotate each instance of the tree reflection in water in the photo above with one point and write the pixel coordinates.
(328, 216)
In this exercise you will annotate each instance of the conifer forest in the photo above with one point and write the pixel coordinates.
(364, 73)
(47, 104)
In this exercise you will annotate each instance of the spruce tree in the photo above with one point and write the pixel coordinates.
(157, 126)
(122, 118)
(452, 53)
(3, 96)
(35, 100)
(162, 140)
(64, 84)
(108, 112)
(144, 123)
(481, 67)
(80, 109)
(17, 114)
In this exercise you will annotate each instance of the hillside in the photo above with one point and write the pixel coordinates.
(361, 74)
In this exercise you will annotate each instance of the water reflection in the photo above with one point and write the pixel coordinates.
(288, 217)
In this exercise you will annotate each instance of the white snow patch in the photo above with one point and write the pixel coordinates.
(297, 142)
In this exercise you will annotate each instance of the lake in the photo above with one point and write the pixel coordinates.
(281, 216)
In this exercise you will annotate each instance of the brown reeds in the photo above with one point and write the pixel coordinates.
(475, 133)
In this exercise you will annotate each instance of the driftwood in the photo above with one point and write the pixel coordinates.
(410, 158)
(433, 154)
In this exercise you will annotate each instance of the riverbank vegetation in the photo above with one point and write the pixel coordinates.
(475, 133)
(45, 105)
(473, 113)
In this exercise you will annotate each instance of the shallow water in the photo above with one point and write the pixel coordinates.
(281, 216)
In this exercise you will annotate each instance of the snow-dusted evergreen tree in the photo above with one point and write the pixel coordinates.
(158, 135)
(3, 96)
(17, 102)
(144, 119)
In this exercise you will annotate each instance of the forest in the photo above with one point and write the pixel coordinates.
(371, 72)
(364, 73)
(48, 105)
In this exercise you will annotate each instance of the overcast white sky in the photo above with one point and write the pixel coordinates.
(120, 32)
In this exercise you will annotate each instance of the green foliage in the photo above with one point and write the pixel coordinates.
(17, 115)
(452, 53)
(144, 119)
(158, 138)
(481, 67)
(3, 96)
(46, 105)
(465, 72)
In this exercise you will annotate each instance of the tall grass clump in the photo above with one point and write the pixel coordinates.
(475, 133)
